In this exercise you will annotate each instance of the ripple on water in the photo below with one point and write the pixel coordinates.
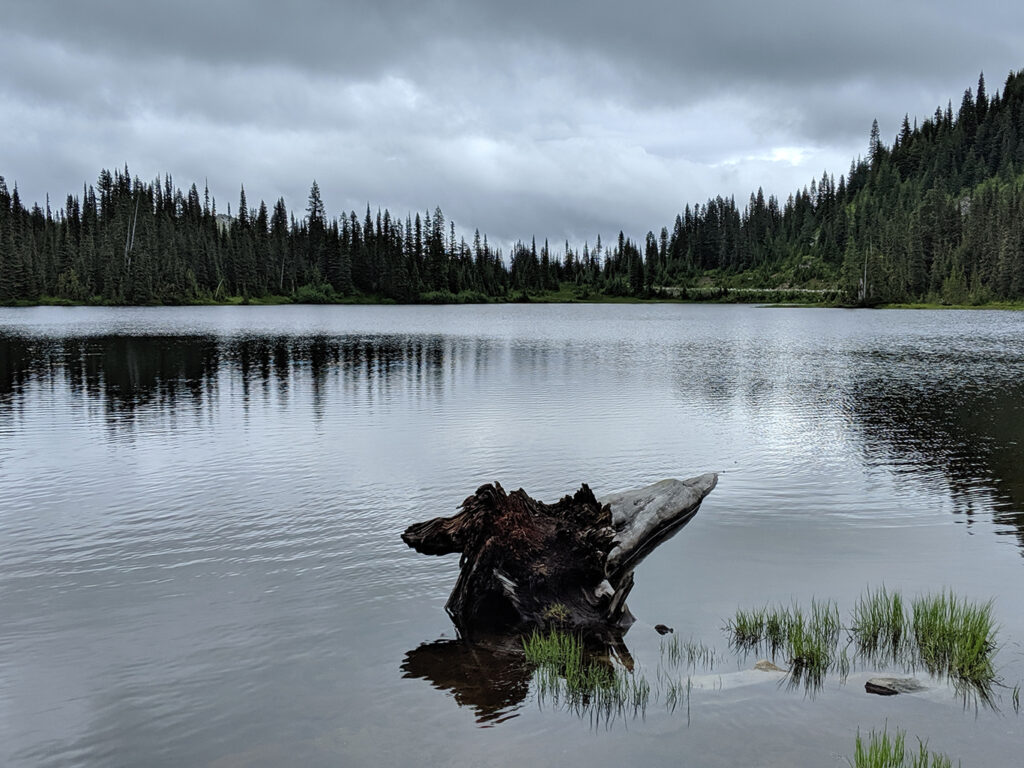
(202, 508)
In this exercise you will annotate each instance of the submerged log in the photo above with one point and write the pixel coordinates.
(892, 686)
(526, 564)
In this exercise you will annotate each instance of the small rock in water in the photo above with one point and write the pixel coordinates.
(766, 666)
(890, 686)
(661, 629)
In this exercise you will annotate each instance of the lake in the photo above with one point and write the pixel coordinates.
(200, 512)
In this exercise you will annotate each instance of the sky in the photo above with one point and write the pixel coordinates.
(559, 120)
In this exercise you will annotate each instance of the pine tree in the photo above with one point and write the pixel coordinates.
(875, 146)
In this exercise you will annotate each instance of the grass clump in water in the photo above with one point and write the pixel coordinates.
(956, 637)
(808, 642)
(747, 628)
(812, 643)
(949, 636)
(567, 673)
(882, 750)
(558, 649)
(880, 623)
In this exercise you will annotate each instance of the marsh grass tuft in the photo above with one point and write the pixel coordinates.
(885, 750)
(882, 750)
(809, 642)
(880, 624)
(947, 635)
(559, 649)
(925, 759)
(956, 638)
(809, 654)
(747, 628)
(569, 675)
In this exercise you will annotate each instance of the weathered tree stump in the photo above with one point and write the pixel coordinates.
(526, 564)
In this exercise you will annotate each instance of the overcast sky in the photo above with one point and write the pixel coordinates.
(535, 117)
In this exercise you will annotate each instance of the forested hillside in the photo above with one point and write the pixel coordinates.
(937, 216)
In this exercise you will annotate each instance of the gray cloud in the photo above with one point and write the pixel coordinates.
(555, 119)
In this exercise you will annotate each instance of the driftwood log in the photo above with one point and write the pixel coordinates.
(526, 564)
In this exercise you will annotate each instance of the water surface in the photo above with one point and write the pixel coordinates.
(200, 510)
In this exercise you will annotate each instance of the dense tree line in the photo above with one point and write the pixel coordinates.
(938, 215)
(124, 241)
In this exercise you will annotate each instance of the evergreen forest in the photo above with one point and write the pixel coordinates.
(937, 216)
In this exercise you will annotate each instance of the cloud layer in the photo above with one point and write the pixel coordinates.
(559, 120)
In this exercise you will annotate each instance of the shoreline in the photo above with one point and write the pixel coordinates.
(551, 298)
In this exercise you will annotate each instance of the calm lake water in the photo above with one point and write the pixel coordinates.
(200, 513)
